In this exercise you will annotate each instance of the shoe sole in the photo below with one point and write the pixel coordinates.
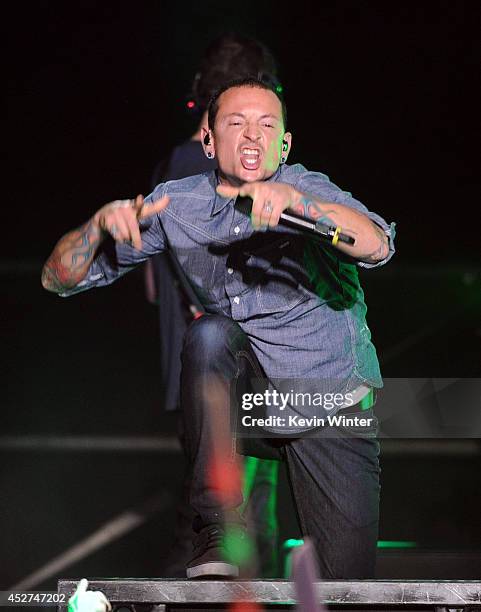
(214, 568)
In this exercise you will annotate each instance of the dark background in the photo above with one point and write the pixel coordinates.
(382, 97)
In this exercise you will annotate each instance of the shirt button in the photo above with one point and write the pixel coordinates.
(236, 229)
(230, 270)
(236, 300)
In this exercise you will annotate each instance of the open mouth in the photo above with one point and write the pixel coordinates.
(250, 158)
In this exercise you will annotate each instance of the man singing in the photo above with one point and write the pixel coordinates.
(281, 306)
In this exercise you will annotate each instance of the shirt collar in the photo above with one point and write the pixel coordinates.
(219, 202)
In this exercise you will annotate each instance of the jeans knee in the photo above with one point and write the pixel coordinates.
(208, 336)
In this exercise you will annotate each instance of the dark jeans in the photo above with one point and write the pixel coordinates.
(334, 480)
(259, 510)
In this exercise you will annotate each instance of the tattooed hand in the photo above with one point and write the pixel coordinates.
(71, 258)
(121, 218)
(269, 200)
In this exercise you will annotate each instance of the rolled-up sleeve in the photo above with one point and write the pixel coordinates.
(319, 185)
(115, 259)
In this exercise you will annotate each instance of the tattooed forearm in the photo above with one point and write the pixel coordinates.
(371, 242)
(322, 213)
(308, 207)
(71, 258)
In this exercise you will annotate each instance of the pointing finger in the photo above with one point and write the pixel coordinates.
(138, 203)
(248, 189)
(148, 210)
(226, 191)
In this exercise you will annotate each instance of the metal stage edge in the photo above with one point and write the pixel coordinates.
(166, 594)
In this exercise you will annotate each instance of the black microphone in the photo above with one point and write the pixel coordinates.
(290, 219)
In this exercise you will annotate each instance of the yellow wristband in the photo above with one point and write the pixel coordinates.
(335, 238)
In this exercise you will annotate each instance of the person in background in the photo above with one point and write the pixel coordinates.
(228, 57)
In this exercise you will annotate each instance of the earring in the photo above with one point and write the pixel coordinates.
(209, 155)
(283, 159)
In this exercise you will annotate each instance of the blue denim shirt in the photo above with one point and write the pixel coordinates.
(298, 300)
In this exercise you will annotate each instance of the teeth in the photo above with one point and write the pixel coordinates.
(251, 161)
(250, 152)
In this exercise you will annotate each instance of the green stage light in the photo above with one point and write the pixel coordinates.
(396, 544)
(292, 543)
(238, 546)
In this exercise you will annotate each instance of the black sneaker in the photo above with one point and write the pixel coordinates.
(209, 559)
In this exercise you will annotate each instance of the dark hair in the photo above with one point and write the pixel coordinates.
(231, 56)
(245, 82)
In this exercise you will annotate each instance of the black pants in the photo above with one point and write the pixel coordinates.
(334, 480)
(259, 510)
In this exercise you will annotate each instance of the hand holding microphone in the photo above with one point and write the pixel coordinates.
(266, 203)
